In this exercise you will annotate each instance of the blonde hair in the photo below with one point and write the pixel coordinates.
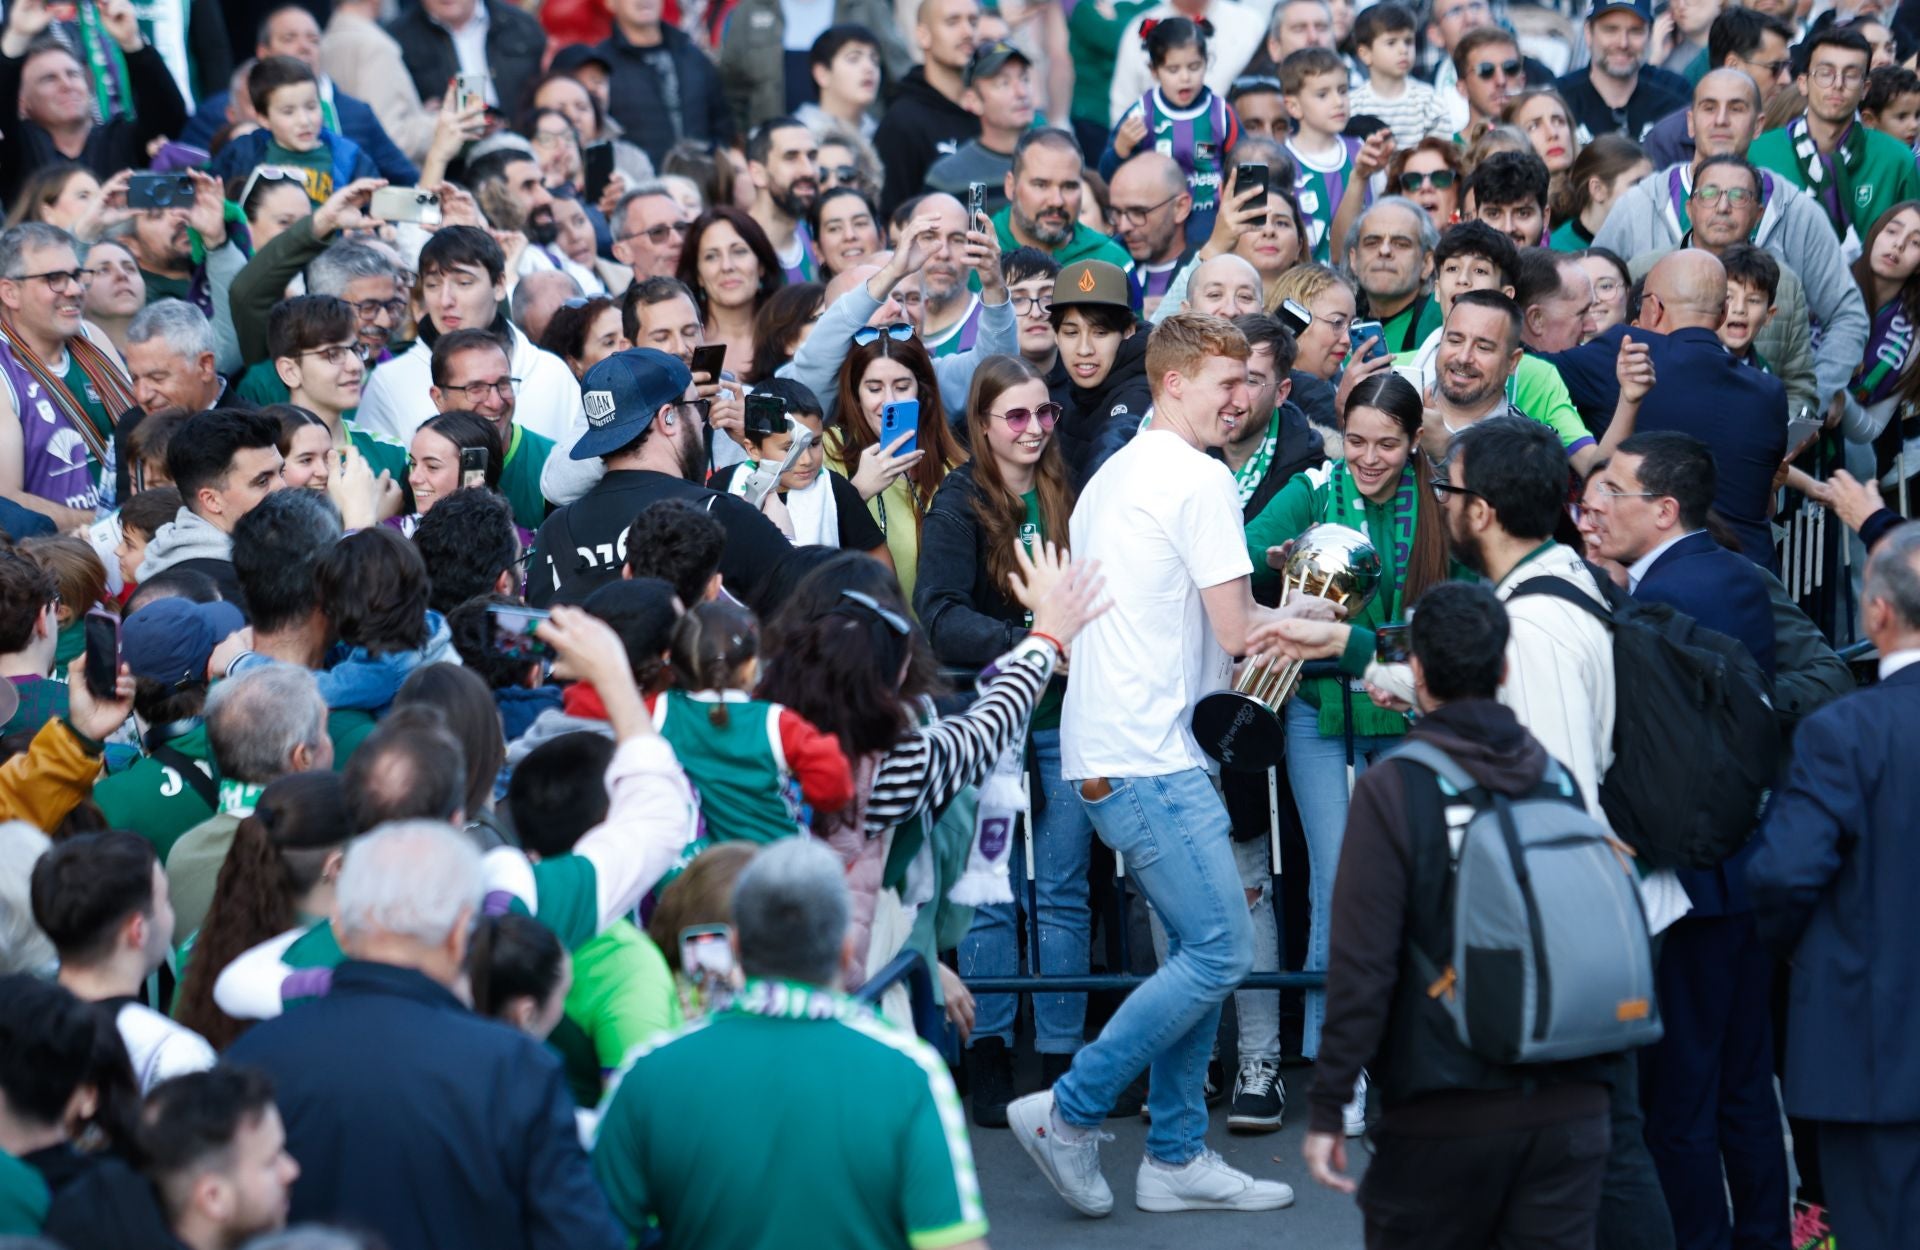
(1302, 284)
(1183, 344)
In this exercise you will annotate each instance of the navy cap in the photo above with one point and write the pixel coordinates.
(171, 640)
(622, 393)
(575, 55)
(1641, 8)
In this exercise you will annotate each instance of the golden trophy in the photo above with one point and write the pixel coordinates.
(1241, 727)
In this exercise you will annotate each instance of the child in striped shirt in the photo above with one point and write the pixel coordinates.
(1180, 117)
(1313, 81)
(1383, 40)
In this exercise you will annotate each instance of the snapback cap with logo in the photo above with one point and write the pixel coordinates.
(1091, 282)
(621, 395)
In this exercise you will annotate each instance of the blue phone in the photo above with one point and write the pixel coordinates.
(1359, 332)
(900, 418)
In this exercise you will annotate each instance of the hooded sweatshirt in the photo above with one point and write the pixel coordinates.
(920, 127)
(1372, 902)
(368, 682)
(187, 537)
(1098, 419)
(1794, 228)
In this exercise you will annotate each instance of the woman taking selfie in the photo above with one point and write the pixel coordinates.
(1380, 488)
(1013, 493)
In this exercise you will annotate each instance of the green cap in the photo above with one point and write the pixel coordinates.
(1091, 282)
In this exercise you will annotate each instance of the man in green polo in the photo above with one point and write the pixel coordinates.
(846, 1130)
(1044, 191)
(471, 371)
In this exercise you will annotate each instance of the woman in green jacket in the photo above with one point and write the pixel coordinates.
(1379, 487)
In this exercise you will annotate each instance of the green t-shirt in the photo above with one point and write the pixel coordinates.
(1084, 245)
(1409, 327)
(1883, 176)
(623, 996)
(316, 162)
(260, 385)
(23, 1198)
(889, 1167)
(520, 476)
(1538, 391)
(153, 800)
(1569, 236)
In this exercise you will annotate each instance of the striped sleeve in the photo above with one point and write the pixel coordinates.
(936, 762)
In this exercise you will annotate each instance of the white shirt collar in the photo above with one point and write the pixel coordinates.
(1638, 569)
(1889, 664)
(478, 22)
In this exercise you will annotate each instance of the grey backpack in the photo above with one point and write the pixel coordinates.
(1550, 958)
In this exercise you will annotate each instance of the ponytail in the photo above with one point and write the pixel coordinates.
(710, 643)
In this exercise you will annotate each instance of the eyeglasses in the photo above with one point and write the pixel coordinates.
(1608, 492)
(899, 332)
(1038, 305)
(840, 175)
(336, 354)
(1442, 488)
(269, 173)
(1827, 75)
(1607, 288)
(1773, 69)
(1439, 180)
(1735, 196)
(657, 235)
(1461, 10)
(477, 392)
(1018, 419)
(1485, 70)
(58, 281)
(368, 309)
(891, 619)
(549, 138)
(1138, 216)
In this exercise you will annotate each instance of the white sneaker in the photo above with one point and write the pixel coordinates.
(1072, 1168)
(1208, 1183)
(1354, 1114)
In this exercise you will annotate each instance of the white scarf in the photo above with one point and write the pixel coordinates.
(816, 523)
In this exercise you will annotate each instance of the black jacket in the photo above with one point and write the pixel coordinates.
(1098, 420)
(515, 47)
(1392, 893)
(107, 1207)
(647, 113)
(112, 145)
(1300, 448)
(970, 619)
(920, 127)
(416, 1119)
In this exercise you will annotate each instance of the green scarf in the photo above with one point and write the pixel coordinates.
(1247, 477)
(1391, 528)
(106, 65)
(1826, 175)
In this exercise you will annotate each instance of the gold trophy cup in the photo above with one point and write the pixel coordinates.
(1241, 727)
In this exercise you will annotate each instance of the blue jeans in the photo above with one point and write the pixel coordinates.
(1317, 767)
(1177, 843)
(1062, 843)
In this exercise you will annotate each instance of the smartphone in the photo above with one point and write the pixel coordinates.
(1359, 332)
(976, 202)
(596, 171)
(897, 419)
(1801, 431)
(159, 191)
(469, 88)
(709, 360)
(473, 467)
(513, 626)
(406, 204)
(706, 959)
(102, 666)
(766, 414)
(1251, 175)
(1295, 317)
(1392, 644)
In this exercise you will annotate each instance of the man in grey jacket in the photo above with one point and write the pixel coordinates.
(1654, 216)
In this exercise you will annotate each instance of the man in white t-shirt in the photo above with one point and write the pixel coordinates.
(102, 900)
(1162, 519)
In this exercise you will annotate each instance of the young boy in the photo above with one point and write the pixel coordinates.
(845, 63)
(825, 508)
(286, 96)
(1753, 280)
(1892, 103)
(1314, 84)
(314, 343)
(1383, 40)
(140, 519)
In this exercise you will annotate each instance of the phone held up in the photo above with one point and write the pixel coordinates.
(1392, 644)
(1252, 175)
(513, 627)
(901, 417)
(405, 204)
(976, 202)
(102, 664)
(1359, 332)
(473, 467)
(706, 959)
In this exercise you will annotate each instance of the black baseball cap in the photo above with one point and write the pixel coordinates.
(989, 59)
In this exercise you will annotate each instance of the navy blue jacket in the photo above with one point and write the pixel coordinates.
(1833, 891)
(357, 122)
(413, 1117)
(1724, 592)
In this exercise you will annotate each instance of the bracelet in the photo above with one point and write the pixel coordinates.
(1060, 648)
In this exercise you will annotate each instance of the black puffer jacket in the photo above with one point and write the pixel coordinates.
(1097, 420)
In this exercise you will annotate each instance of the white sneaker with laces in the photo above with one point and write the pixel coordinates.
(1072, 1168)
(1354, 1114)
(1208, 1183)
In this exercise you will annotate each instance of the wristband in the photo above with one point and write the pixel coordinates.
(1058, 646)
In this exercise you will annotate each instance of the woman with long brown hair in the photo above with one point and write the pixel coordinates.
(1013, 492)
(1887, 379)
(731, 268)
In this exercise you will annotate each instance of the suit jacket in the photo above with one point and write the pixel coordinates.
(357, 122)
(1833, 879)
(1726, 593)
(421, 1121)
(515, 48)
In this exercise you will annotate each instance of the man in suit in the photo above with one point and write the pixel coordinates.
(1833, 883)
(1713, 1124)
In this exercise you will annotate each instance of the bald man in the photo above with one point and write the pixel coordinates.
(1738, 411)
(1226, 286)
(1151, 204)
(938, 299)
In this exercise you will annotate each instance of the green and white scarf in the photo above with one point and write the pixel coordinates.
(1825, 175)
(1351, 508)
(1247, 478)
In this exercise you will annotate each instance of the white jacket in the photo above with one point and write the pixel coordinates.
(398, 398)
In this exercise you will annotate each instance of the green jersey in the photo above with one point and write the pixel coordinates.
(1570, 236)
(1409, 327)
(1869, 173)
(520, 476)
(23, 1198)
(889, 1167)
(623, 996)
(1084, 244)
(154, 799)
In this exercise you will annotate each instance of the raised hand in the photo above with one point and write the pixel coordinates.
(1062, 594)
(346, 208)
(1132, 131)
(983, 255)
(119, 20)
(880, 466)
(1634, 370)
(208, 216)
(93, 716)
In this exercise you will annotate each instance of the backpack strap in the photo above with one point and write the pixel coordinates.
(203, 785)
(1560, 588)
(1432, 758)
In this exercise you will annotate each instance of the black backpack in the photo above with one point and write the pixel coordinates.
(1695, 742)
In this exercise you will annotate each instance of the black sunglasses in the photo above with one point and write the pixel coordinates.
(891, 619)
(1484, 70)
(1439, 180)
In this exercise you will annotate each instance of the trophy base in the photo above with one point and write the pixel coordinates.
(1238, 730)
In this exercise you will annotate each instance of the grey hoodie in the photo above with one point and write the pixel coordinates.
(1796, 231)
(550, 724)
(186, 537)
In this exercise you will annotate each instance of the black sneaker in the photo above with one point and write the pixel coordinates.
(1132, 1100)
(1052, 1068)
(990, 1073)
(1259, 1098)
(1216, 1090)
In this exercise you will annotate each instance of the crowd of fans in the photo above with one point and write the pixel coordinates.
(543, 547)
